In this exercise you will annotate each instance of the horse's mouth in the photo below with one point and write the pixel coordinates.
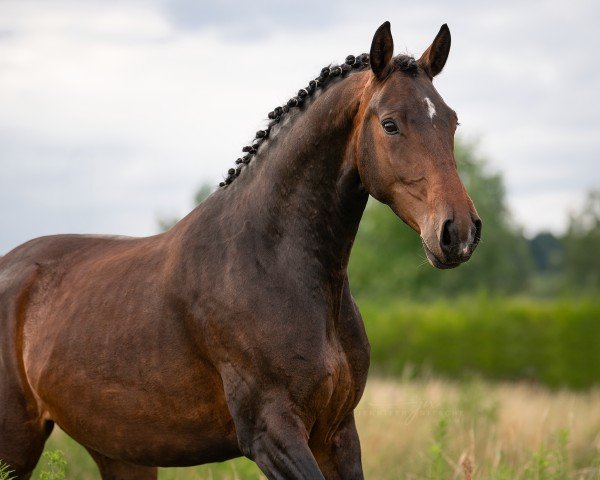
(435, 261)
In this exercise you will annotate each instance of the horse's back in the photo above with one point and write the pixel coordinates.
(56, 247)
(18, 264)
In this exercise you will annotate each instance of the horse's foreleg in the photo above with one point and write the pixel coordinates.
(111, 469)
(277, 442)
(340, 457)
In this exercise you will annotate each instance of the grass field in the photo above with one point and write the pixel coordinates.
(440, 430)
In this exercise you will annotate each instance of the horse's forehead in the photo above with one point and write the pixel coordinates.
(415, 95)
(425, 99)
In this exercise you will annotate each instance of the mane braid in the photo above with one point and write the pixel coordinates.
(403, 63)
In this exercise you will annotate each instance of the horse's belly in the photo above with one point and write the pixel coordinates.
(186, 426)
(160, 405)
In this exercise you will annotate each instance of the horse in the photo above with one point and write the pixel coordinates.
(234, 333)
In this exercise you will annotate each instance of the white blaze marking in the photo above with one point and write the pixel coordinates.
(430, 107)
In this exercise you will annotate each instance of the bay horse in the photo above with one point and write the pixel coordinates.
(234, 333)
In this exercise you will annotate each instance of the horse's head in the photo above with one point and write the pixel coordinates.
(405, 149)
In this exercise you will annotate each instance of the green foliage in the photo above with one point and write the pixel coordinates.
(553, 342)
(438, 466)
(238, 469)
(5, 471)
(548, 252)
(55, 467)
(582, 243)
(388, 258)
(504, 472)
(550, 462)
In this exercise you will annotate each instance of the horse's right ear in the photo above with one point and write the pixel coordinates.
(382, 49)
(434, 58)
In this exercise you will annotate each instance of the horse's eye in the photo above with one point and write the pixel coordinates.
(389, 126)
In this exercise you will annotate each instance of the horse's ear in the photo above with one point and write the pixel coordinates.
(434, 58)
(382, 49)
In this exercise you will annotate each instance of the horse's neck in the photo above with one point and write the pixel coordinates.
(303, 190)
(308, 180)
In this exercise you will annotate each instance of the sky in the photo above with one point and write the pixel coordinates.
(113, 113)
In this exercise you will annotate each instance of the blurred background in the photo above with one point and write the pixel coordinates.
(119, 117)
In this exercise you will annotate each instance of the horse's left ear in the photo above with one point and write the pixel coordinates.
(382, 49)
(434, 58)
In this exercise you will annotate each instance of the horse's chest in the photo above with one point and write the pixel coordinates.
(343, 383)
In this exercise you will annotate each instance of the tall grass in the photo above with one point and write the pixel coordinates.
(5, 471)
(441, 430)
(53, 466)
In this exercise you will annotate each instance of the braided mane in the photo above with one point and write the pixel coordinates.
(404, 63)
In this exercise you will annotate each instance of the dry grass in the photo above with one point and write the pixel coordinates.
(418, 429)
(441, 430)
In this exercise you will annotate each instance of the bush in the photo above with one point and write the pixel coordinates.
(553, 342)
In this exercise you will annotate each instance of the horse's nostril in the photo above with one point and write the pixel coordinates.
(477, 234)
(446, 234)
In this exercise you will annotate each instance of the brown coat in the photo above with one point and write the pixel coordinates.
(234, 333)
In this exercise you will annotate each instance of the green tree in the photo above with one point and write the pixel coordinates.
(548, 252)
(582, 244)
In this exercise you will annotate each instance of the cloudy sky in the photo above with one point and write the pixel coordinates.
(112, 113)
